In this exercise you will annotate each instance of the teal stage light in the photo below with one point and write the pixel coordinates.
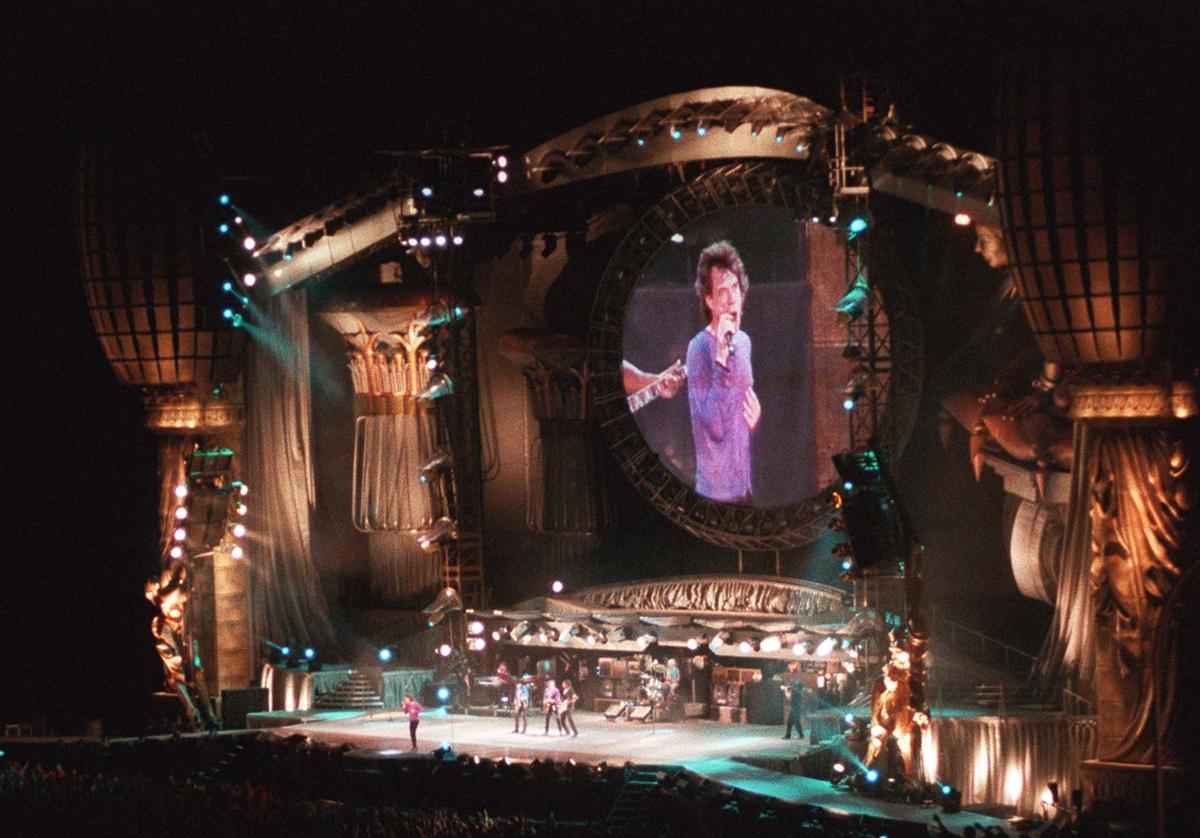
(857, 224)
(310, 653)
(223, 229)
(227, 314)
(443, 694)
(872, 775)
(385, 655)
(223, 200)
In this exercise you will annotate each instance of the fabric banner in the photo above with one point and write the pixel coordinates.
(739, 594)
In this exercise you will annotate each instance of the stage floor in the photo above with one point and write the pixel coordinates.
(731, 754)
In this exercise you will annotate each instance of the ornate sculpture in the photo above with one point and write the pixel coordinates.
(169, 593)
(1145, 537)
(897, 710)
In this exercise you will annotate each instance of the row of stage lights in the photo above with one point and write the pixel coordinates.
(236, 531)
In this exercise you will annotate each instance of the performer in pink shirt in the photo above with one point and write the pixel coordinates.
(413, 709)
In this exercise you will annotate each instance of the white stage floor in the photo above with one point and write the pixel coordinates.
(711, 749)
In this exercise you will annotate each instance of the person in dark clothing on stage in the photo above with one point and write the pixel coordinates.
(794, 692)
(413, 709)
(522, 696)
(551, 699)
(566, 709)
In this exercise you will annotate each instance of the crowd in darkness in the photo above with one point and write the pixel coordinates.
(237, 784)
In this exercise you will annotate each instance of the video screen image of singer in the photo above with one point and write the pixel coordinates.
(719, 356)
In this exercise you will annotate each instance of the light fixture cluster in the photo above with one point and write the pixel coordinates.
(235, 529)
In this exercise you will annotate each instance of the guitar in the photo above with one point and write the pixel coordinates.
(643, 397)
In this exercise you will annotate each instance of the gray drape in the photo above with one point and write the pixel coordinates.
(288, 604)
(388, 454)
(1068, 656)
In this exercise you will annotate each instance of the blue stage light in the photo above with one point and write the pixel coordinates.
(848, 486)
(701, 131)
(227, 314)
(223, 229)
(872, 775)
(237, 324)
(846, 565)
(385, 655)
(228, 286)
(427, 191)
(285, 651)
(310, 652)
(848, 403)
(946, 789)
(799, 148)
(223, 200)
(443, 694)
(641, 141)
(676, 133)
(849, 717)
(779, 138)
(857, 224)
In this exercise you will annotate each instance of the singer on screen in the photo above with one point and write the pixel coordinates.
(721, 396)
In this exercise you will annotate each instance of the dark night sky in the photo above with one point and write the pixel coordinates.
(298, 96)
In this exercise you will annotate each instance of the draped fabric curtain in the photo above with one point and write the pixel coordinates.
(388, 454)
(1068, 656)
(288, 604)
(1008, 760)
(170, 474)
(400, 571)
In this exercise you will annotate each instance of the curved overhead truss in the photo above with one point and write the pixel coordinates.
(740, 527)
(716, 123)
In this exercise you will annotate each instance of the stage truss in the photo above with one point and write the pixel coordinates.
(801, 190)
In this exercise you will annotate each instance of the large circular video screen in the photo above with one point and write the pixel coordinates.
(727, 366)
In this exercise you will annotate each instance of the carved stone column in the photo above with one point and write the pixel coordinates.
(566, 496)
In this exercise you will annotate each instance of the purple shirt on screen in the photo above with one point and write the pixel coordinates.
(716, 396)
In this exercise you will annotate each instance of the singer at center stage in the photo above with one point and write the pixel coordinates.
(724, 408)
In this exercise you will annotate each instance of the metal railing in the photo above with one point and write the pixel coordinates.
(978, 639)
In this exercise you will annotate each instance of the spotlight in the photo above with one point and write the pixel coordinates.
(825, 647)
(641, 141)
(223, 199)
(872, 775)
(647, 639)
(476, 644)
(176, 552)
(477, 192)
(693, 643)
(839, 768)
(223, 228)
(556, 586)
(457, 240)
(237, 552)
(181, 491)
(496, 635)
(248, 243)
(425, 241)
(242, 509)
(502, 176)
(848, 718)
(438, 386)
(799, 650)
(440, 463)
(475, 627)
(771, 643)
(309, 653)
(249, 280)
(228, 286)
(227, 313)
(962, 219)
(445, 650)
(181, 513)
(718, 641)
(676, 133)
(440, 239)
(443, 694)
(745, 647)
(502, 162)
(180, 534)
(443, 531)
(385, 655)
(857, 224)
(677, 238)
(426, 191)
(239, 530)
(701, 130)
(851, 306)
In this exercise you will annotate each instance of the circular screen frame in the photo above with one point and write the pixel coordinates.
(799, 191)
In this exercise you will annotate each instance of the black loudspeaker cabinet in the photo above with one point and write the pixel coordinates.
(640, 713)
(764, 703)
(237, 704)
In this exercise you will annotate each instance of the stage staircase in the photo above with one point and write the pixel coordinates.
(630, 803)
(363, 690)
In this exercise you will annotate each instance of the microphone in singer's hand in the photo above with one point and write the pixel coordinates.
(729, 347)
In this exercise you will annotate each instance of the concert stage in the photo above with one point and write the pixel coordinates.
(751, 758)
